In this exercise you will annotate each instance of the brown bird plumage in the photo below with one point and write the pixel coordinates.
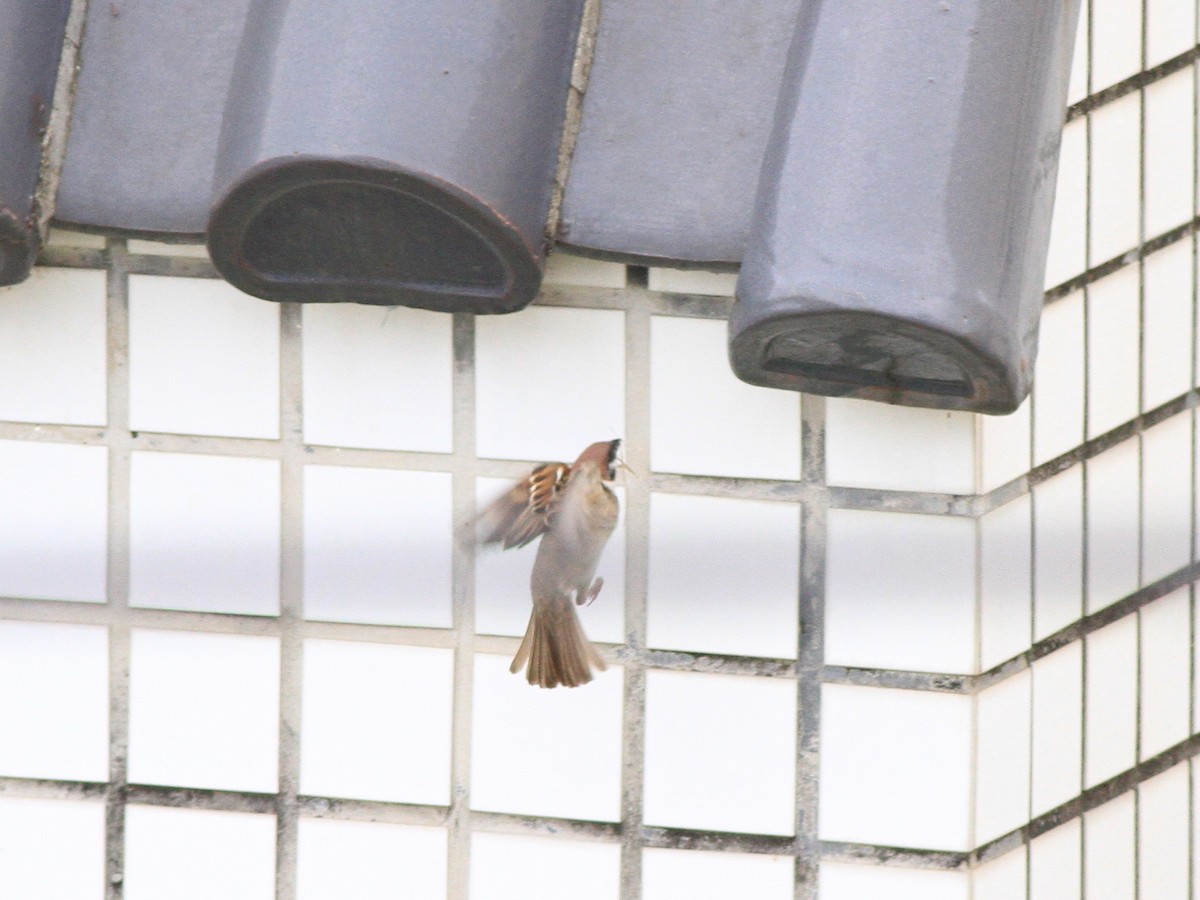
(574, 512)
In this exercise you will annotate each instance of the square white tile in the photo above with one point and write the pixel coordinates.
(692, 281)
(1112, 347)
(51, 848)
(1112, 529)
(1002, 757)
(1170, 154)
(548, 382)
(1057, 728)
(741, 751)
(1002, 878)
(1166, 497)
(876, 445)
(1116, 41)
(204, 533)
(707, 875)
(1054, 863)
(1067, 255)
(1006, 581)
(703, 420)
(376, 722)
(62, 237)
(900, 591)
(1162, 840)
(1108, 855)
(203, 358)
(1059, 398)
(1170, 29)
(1167, 324)
(1005, 446)
(54, 521)
(170, 853)
(1110, 725)
(842, 881)
(1165, 658)
(1115, 162)
(515, 867)
(502, 597)
(1058, 552)
(378, 377)
(53, 348)
(895, 767)
(377, 546)
(54, 701)
(163, 248)
(204, 710)
(740, 598)
(562, 268)
(369, 860)
(520, 760)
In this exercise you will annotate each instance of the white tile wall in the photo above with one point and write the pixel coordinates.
(512, 867)
(1055, 870)
(171, 853)
(869, 788)
(741, 750)
(51, 848)
(1115, 161)
(1165, 654)
(369, 860)
(1058, 383)
(1067, 256)
(1116, 41)
(901, 591)
(376, 722)
(1058, 552)
(54, 701)
(1162, 841)
(203, 358)
(1170, 150)
(1002, 757)
(1112, 524)
(564, 269)
(1170, 29)
(1108, 850)
(1112, 350)
(840, 881)
(1006, 582)
(1005, 445)
(704, 421)
(692, 281)
(667, 874)
(548, 753)
(1110, 701)
(692, 588)
(1057, 728)
(53, 523)
(203, 710)
(1166, 497)
(1003, 878)
(1167, 324)
(52, 348)
(377, 377)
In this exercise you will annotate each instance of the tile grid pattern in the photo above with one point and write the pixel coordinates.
(633, 836)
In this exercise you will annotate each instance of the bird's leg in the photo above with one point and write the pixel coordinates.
(591, 592)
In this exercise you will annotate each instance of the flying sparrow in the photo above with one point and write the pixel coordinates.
(573, 511)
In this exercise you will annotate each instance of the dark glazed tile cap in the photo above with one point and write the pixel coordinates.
(368, 231)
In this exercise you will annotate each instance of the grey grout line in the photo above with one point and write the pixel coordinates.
(636, 451)
(463, 589)
(291, 596)
(118, 563)
(810, 660)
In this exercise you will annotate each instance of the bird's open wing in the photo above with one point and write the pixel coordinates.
(523, 512)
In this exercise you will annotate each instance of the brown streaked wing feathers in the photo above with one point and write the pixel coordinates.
(523, 513)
